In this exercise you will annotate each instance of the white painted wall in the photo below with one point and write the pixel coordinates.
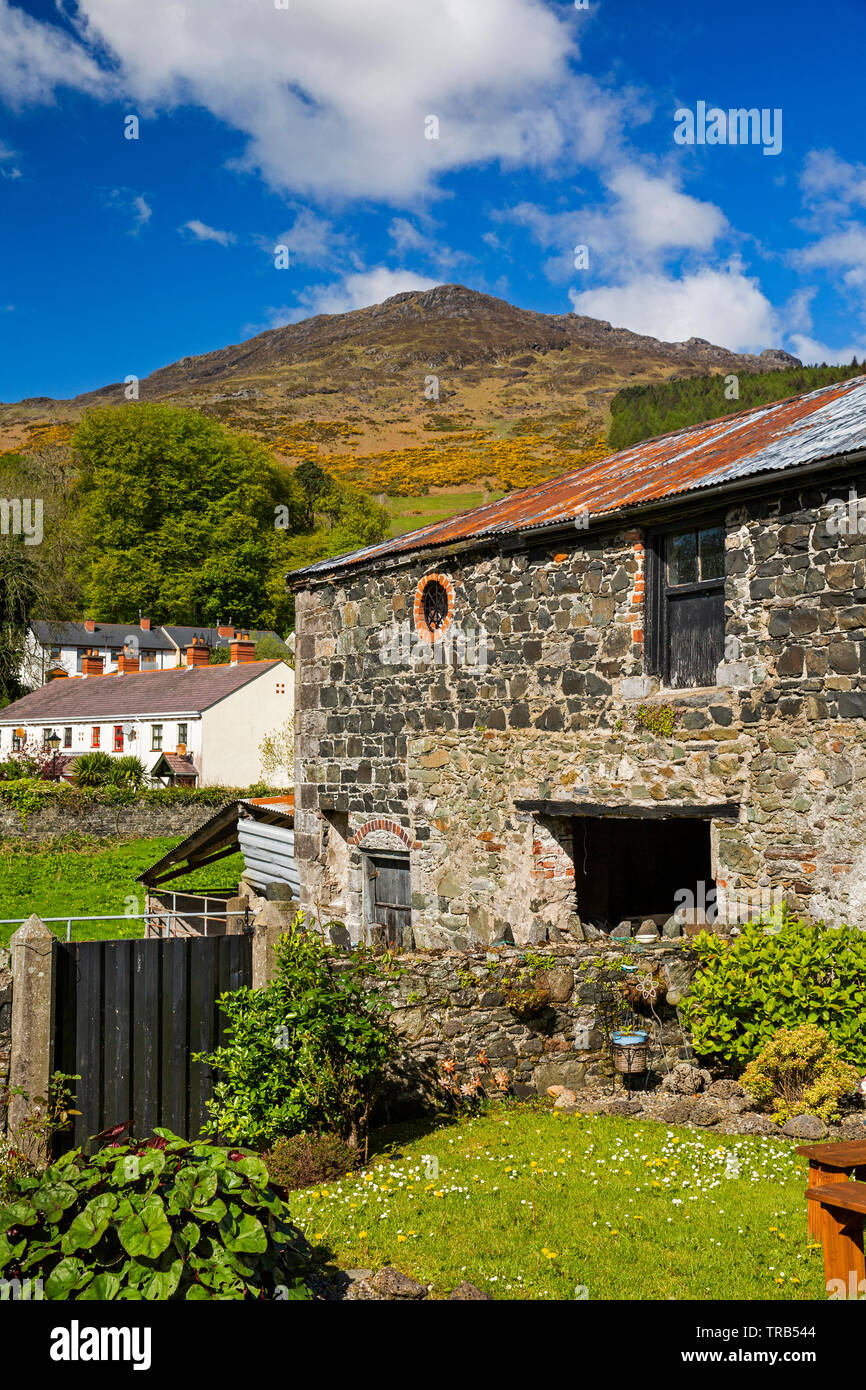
(139, 745)
(233, 730)
(223, 742)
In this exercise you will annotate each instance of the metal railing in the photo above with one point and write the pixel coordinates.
(153, 918)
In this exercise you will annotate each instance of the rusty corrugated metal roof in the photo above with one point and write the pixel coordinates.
(822, 424)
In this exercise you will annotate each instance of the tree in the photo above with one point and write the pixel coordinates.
(314, 483)
(178, 517)
(35, 569)
(277, 752)
(187, 520)
(272, 648)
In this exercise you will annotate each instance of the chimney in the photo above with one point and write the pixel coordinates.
(242, 649)
(127, 662)
(91, 663)
(226, 631)
(180, 750)
(144, 624)
(89, 625)
(198, 653)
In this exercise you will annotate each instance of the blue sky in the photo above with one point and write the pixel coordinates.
(307, 126)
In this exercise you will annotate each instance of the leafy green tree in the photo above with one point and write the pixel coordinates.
(178, 517)
(187, 520)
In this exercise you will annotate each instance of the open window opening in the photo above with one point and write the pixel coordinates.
(631, 868)
(388, 897)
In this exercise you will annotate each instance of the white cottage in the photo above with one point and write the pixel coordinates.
(196, 725)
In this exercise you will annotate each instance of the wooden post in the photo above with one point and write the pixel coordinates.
(34, 951)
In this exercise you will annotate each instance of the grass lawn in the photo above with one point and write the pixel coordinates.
(410, 513)
(82, 878)
(531, 1204)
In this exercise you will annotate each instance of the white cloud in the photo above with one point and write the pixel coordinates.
(8, 169)
(725, 306)
(357, 290)
(333, 98)
(810, 350)
(313, 240)
(202, 232)
(643, 220)
(407, 237)
(656, 216)
(360, 289)
(132, 205)
(830, 183)
(38, 57)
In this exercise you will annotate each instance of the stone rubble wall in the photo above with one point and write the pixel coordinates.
(433, 758)
(450, 1006)
(447, 1007)
(145, 822)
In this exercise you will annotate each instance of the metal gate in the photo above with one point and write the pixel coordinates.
(129, 1015)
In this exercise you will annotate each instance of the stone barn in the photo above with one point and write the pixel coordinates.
(636, 688)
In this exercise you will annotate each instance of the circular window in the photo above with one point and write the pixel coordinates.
(434, 604)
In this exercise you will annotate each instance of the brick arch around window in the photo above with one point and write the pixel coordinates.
(425, 631)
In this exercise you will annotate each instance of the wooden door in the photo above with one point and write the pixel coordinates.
(389, 895)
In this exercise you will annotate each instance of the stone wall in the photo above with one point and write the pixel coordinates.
(449, 1006)
(433, 757)
(141, 821)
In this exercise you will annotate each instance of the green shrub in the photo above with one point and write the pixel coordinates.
(308, 1051)
(163, 1220)
(746, 990)
(302, 1160)
(93, 769)
(128, 771)
(800, 1071)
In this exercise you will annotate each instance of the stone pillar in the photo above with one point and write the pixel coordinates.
(274, 919)
(235, 925)
(33, 950)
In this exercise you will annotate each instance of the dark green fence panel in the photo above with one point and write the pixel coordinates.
(128, 1017)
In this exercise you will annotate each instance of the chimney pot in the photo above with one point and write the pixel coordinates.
(242, 650)
(91, 664)
(198, 653)
(127, 662)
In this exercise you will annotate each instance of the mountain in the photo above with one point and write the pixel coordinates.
(515, 388)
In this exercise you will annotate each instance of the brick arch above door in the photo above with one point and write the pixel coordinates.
(380, 825)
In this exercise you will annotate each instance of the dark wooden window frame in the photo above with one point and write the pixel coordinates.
(656, 628)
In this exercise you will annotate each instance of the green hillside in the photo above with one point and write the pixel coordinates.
(642, 412)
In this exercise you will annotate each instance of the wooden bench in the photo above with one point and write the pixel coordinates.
(841, 1207)
(831, 1163)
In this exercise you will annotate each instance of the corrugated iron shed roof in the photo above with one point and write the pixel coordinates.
(823, 424)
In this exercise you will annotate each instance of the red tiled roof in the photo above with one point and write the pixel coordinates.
(823, 424)
(188, 690)
(178, 765)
